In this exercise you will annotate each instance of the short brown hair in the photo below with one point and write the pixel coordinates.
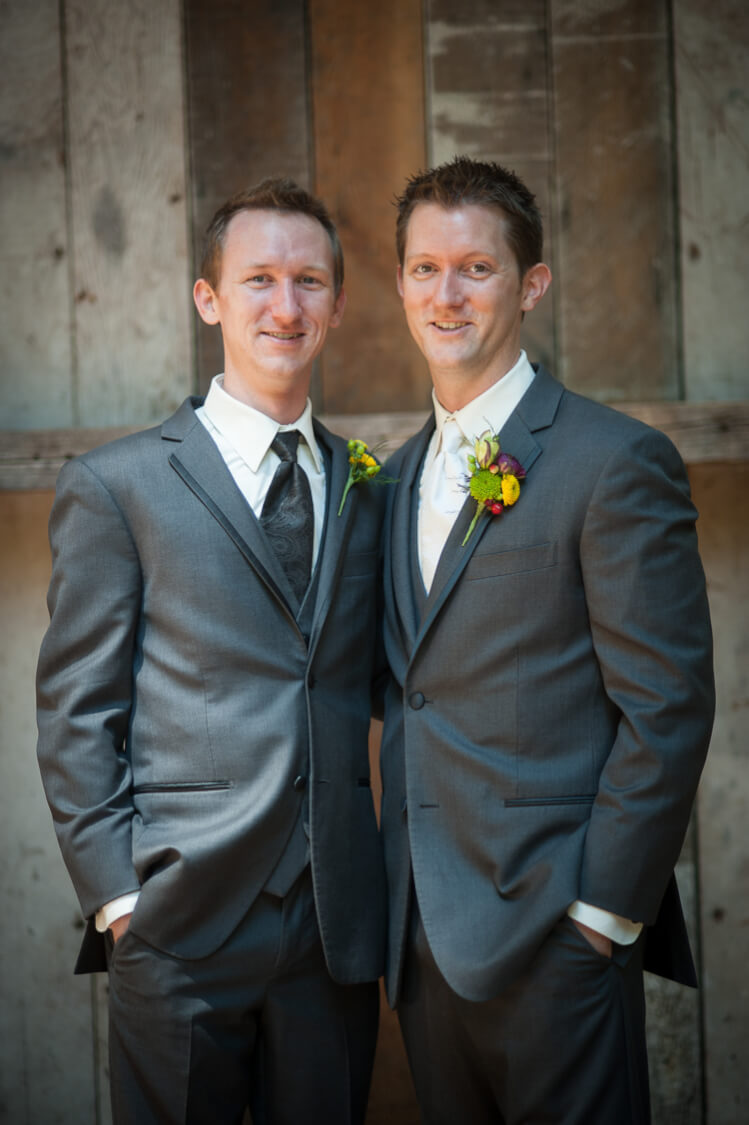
(276, 193)
(463, 180)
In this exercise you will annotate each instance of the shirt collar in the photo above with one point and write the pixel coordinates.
(251, 432)
(491, 409)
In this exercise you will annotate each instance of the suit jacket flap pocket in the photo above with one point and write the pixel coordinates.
(498, 563)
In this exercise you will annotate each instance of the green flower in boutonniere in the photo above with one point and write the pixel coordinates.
(494, 478)
(362, 467)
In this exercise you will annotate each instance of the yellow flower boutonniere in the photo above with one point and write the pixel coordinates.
(362, 467)
(494, 478)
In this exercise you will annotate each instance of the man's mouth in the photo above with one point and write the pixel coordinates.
(284, 335)
(450, 325)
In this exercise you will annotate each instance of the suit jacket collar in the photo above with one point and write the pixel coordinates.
(535, 412)
(398, 559)
(197, 460)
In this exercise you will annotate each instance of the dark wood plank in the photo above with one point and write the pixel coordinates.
(368, 109)
(488, 97)
(616, 225)
(247, 112)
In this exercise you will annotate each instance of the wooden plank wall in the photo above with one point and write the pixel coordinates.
(122, 127)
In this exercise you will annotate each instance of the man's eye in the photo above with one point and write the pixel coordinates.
(422, 269)
(307, 280)
(258, 279)
(479, 269)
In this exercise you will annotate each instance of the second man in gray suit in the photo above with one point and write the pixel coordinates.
(551, 695)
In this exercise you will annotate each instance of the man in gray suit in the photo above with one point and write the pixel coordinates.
(551, 696)
(204, 705)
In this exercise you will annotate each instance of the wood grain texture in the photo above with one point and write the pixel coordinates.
(616, 252)
(368, 110)
(46, 1065)
(488, 97)
(723, 801)
(35, 343)
(708, 433)
(247, 91)
(127, 164)
(712, 89)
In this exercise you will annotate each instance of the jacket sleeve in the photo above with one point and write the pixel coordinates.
(647, 604)
(84, 686)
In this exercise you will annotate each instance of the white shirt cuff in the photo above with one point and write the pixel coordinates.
(621, 930)
(115, 909)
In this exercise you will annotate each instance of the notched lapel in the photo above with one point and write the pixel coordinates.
(337, 528)
(196, 459)
(398, 558)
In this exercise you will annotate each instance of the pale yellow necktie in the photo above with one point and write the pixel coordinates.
(442, 497)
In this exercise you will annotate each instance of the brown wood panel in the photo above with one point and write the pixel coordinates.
(36, 387)
(368, 110)
(488, 97)
(128, 209)
(616, 240)
(246, 91)
(712, 85)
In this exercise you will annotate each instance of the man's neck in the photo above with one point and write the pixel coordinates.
(283, 407)
(455, 389)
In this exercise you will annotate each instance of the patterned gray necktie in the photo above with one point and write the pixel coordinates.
(287, 517)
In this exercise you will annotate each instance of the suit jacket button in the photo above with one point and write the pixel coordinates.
(300, 782)
(416, 700)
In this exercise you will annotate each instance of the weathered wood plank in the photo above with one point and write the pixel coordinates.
(615, 258)
(35, 345)
(368, 113)
(712, 96)
(723, 804)
(127, 162)
(488, 97)
(705, 433)
(46, 1062)
(247, 113)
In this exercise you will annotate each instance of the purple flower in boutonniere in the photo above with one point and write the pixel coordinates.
(362, 467)
(494, 478)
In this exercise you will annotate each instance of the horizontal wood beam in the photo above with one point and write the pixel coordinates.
(703, 432)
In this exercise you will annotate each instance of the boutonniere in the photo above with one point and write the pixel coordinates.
(494, 478)
(363, 467)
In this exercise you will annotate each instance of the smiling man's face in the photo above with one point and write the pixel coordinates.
(275, 301)
(463, 294)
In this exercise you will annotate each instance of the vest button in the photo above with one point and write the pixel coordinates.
(300, 782)
(416, 700)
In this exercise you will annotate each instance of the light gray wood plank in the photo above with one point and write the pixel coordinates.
(35, 351)
(712, 112)
(703, 433)
(127, 161)
(723, 806)
(46, 1060)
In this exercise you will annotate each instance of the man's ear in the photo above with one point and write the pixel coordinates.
(205, 301)
(535, 283)
(338, 307)
(399, 281)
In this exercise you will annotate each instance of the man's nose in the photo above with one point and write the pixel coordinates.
(449, 293)
(286, 304)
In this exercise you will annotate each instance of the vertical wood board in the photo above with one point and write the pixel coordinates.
(247, 111)
(46, 1060)
(720, 493)
(616, 239)
(127, 161)
(368, 111)
(488, 97)
(712, 85)
(35, 353)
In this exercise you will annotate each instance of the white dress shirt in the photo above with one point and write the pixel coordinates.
(442, 494)
(244, 436)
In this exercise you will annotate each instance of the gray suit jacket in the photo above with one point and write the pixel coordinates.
(178, 699)
(550, 708)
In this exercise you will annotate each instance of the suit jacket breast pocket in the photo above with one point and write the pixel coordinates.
(495, 564)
